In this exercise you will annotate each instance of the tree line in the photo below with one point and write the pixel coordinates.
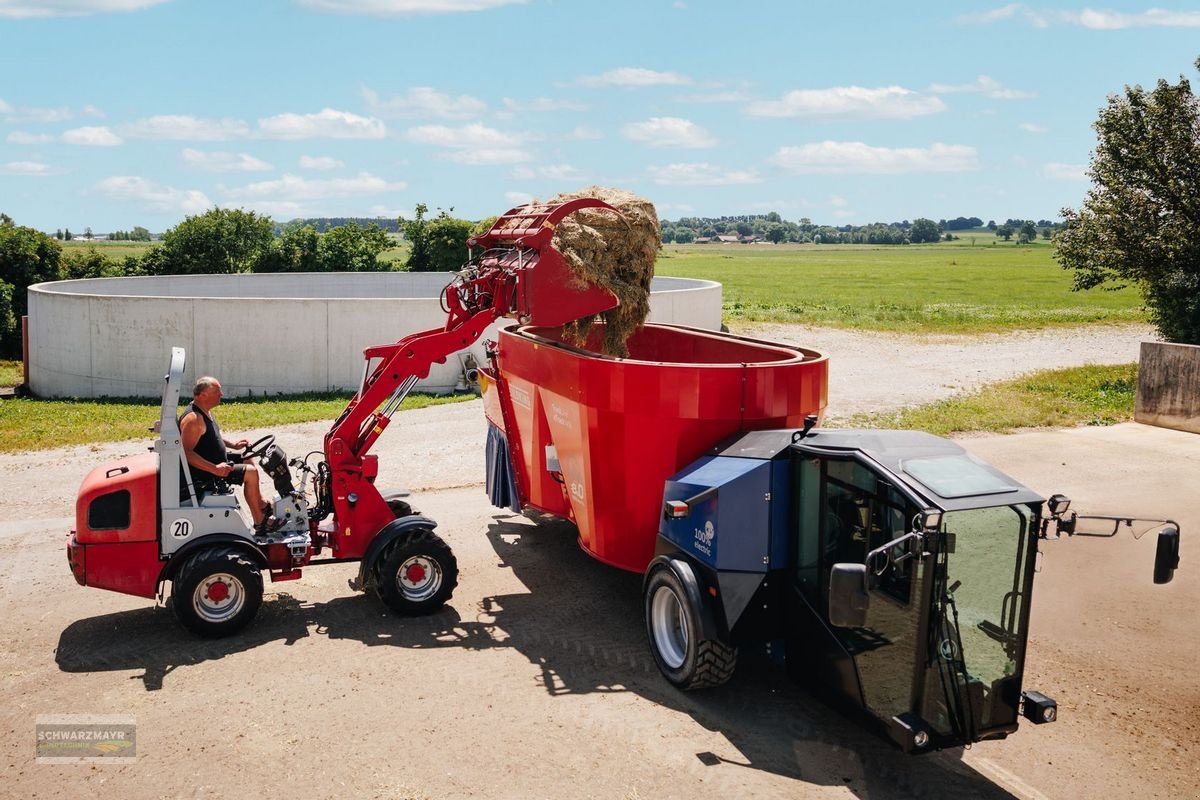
(773, 228)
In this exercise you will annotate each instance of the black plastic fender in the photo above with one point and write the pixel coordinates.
(710, 615)
(240, 542)
(387, 534)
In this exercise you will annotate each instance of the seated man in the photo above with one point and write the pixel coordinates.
(207, 455)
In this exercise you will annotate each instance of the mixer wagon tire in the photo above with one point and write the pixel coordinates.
(675, 629)
(216, 592)
(417, 573)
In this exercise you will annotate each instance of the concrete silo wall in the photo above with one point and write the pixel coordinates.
(261, 334)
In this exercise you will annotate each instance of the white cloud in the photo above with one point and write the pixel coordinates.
(488, 156)
(22, 137)
(153, 196)
(668, 132)
(849, 102)
(92, 137)
(539, 104)
(634, 76)
(473, 135)
(327, 123)
(1065, 172)
(294, 188)
(183, 127)
(401, 7)
(24, 9)
(424, 101)
(584, 133)
(553, 172)
(839, 158)
(30, 168)
(518, 198)
(11, 113)
(701, 175)
(1032, 127)
(319, 162)
(837, 201)
(224, 162)
(984, 85)
(1154, 18)
(1092, 19)
(379, 210)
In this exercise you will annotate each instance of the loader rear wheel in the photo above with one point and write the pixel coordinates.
(216, 592)
(417, 574)
(675, 630)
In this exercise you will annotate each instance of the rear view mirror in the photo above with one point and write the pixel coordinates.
(1166, 558)
(848, 598)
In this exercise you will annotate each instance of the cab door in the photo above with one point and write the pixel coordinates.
(850, 509)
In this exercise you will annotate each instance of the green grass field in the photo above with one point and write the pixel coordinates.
(32, 424)
(1091, 395)
(951, 287)
(112, 250)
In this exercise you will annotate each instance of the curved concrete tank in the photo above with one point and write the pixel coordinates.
(277, 333)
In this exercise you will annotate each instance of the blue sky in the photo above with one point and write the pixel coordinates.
(115, 113)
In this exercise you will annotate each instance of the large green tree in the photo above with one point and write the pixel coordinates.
(27, 256)
(1140, 221)
(221, 240)
(438, 244)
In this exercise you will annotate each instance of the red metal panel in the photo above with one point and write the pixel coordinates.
(128, 567)
(621, 427)
(139, 476)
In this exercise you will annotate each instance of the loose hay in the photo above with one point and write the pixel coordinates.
(614, 252)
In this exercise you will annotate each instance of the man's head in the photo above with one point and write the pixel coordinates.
(207, 392)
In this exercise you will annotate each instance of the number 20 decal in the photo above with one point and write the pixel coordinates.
(181, 528)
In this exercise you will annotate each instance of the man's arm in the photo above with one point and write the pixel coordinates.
(191, 428)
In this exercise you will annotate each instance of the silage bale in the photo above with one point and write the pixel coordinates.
(614, 252)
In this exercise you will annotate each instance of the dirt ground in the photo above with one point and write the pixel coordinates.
(536, 681)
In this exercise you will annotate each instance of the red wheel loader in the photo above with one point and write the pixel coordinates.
(141, 522)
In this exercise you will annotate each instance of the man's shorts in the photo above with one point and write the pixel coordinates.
(205, 481)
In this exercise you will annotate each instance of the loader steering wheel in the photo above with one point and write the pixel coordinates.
(258, 448)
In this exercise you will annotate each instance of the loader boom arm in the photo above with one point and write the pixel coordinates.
(516, 273)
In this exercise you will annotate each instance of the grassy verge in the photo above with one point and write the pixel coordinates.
(951, 287)
(31, 424)
(11, 373)
(1092, 395)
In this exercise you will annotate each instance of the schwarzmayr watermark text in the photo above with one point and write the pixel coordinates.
(85, 738)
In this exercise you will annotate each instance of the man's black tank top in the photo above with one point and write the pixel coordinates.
(211, 446)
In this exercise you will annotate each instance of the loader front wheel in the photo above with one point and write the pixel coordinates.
(675, 630)
(216, 592)
(417, 574)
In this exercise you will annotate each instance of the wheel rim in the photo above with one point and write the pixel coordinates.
(419, 578)
(669, 626)
(219, 597)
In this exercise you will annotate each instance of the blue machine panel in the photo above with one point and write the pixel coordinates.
(729, 523)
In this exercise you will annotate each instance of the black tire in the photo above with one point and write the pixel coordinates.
(675, 630)
(417, 574)
(217, 591)
(400, 509)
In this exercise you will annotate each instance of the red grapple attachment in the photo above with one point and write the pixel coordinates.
(544, 291)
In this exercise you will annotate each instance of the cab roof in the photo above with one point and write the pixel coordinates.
(931, 466)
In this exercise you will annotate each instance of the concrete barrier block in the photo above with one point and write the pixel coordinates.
(1168, 389)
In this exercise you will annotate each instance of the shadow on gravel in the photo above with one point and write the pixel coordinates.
(152, 640)
(580, 624)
